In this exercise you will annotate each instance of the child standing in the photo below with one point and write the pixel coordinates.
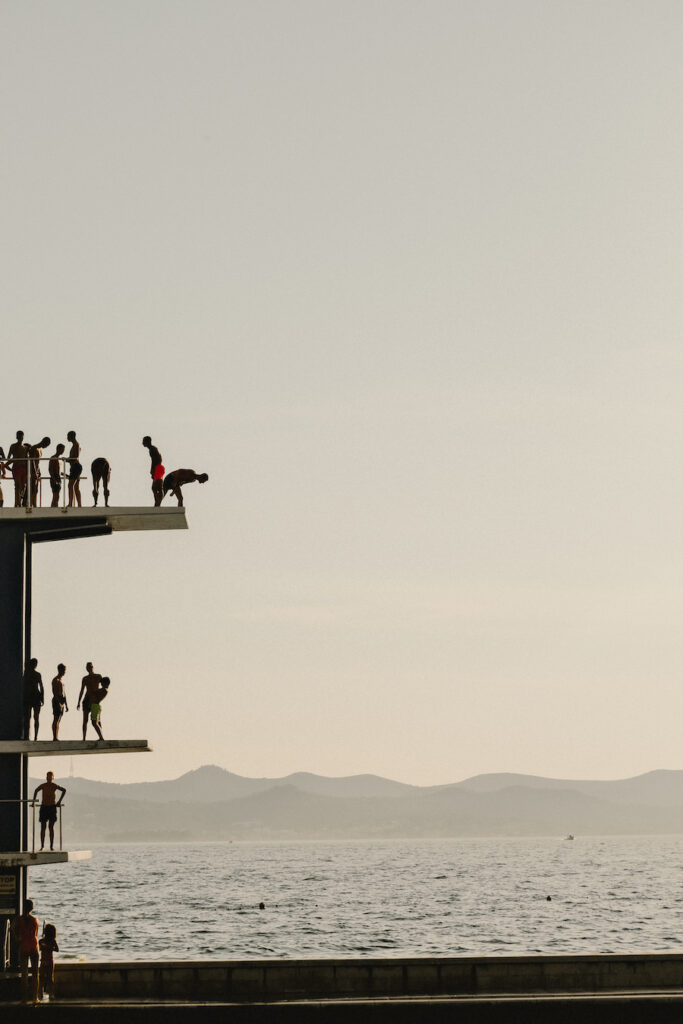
(46, 975)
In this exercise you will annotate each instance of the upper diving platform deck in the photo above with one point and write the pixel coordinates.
(45, 524)
(57, 748)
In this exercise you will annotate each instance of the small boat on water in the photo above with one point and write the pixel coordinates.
(570, 836)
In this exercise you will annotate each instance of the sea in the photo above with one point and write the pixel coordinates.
(387, 898)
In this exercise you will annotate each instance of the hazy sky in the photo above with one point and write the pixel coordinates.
(405, 279)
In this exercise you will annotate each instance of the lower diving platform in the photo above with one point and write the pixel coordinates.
(55, 748)
(31, 860)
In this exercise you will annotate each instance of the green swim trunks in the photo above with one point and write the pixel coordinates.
(95, 712)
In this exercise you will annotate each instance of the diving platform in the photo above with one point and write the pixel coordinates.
(20, 529)
(44, 524)
(32, 860)
(57, 748)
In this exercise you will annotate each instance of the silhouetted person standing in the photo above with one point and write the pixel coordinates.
(54, 468)
(101, 471)
(17, 459)
(176, 480)
(96, 706)
(90, 684)
(156, 470)
(3, 474)
(48, 807)
(59, 704)
(75, 469)
(35, 454)
(34, 698)
(25, 927)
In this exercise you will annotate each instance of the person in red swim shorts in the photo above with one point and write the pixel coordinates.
(156, 470)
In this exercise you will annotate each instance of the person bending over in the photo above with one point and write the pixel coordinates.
(176, 480)
(101, 472)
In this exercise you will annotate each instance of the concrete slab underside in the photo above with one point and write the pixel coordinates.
(52, 748)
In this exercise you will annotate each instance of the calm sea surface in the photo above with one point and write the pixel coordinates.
(386, 898)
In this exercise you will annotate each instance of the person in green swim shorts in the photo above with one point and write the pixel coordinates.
(96, 706)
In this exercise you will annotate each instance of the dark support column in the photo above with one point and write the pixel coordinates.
(12, 598)
(28, 596)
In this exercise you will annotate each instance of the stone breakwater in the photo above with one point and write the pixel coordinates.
(263, 980)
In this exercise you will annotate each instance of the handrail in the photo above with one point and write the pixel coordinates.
(59, 816)
(39, 479)
(34, 804)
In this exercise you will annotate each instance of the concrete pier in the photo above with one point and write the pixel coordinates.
(262, 980)
(622, 988)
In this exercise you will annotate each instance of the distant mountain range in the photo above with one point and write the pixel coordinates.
(213, 804)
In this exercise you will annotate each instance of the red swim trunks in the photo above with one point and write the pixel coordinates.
(159, 472)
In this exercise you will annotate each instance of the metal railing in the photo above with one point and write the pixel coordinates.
(34, 804)
(34, 480)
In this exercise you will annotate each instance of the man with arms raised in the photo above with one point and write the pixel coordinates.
(48, 807)
(90, 685)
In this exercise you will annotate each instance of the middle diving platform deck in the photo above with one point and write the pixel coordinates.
(55, 748)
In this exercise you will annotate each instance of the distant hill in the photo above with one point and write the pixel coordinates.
(210, 784)
(660, 788)
(213, 804)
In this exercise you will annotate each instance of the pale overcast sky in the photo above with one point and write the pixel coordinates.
(405, 279)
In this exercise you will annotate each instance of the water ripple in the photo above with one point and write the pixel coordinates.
(367, 898)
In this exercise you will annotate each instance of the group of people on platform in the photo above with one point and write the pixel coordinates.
(23, 460)
(36, 954)
(94, 689)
